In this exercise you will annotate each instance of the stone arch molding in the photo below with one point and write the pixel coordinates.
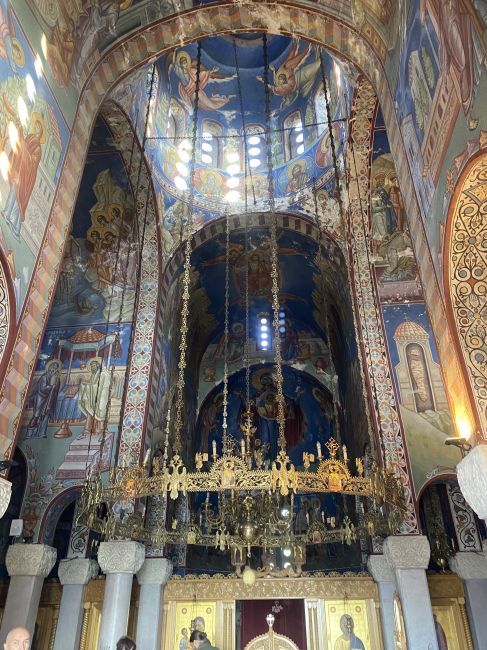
(143, 46)
(465, 266)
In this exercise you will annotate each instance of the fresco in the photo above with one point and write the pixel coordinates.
(308, 406)
(395, 265)
(79, 378)
(422, 399)
(33, 139)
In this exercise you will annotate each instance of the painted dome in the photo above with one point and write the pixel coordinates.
(408, 331)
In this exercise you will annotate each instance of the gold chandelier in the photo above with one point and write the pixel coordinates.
(243, 499)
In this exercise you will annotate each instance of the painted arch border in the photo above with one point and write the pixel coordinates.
(139, 48)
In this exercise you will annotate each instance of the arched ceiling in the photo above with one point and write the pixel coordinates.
(232, 101)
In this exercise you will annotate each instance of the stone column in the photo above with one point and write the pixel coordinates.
(27, 566)
(409, 556)
(73, 575)
(152, 577)
(472, 479)
(5, 494)
(119, 561)
(472, 569)
(384, 577)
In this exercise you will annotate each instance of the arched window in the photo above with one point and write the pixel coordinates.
(212, 143)
(255, 139)
(321, 118)
(293, 135)
(176, 121)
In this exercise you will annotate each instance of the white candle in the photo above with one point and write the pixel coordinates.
(344, 449)
(214, 447)
(318, 449)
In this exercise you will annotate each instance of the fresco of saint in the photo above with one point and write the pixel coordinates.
(185, 69)
(293, 78)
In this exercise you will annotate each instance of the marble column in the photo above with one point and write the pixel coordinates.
(74, 574)
(5, 494)
(472, 569)
(152, 578)
(408, 556)
(27, 565)
(120, 561)
(472, 479)
(384, 577)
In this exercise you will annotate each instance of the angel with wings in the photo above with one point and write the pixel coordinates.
(185, 69)
(293, 78)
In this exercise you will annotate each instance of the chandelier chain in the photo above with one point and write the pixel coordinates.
(274, 256)
(225, 335)
(187, 269)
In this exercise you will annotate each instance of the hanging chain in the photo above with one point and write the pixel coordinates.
(330, 129)
(274, 257)
(183, 344)
(225, 334)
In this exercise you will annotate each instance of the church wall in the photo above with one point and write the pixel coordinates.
(413, 355)
(367, 57)
(88, 321)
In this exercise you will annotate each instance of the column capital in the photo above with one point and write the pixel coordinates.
(155, 571)
(5, 494)
(380, 568)
(407, 551)
(469, 565)
(77, 571)
(121, 557)
(472, 479)
(30, 560)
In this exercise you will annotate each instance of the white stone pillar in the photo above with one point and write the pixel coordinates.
(27, 566)
(73, 575)
(384, 577)
(472, 569)
(119, 561)
(409, 556)
(472, 479)
(152, 577)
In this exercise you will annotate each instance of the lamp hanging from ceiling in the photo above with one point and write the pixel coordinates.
(245, 499)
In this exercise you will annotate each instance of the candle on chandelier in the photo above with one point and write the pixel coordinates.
(318, 449)
(242, 447)
(213, 445)
(345, 456)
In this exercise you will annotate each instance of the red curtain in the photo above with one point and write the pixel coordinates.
(289, 615)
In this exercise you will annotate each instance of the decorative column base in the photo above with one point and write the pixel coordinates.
(152, 578)
(73, 575)
(384, 578)
(408, 557)
(27, 565)
(120, 561)
(472, 479)
(472, 569)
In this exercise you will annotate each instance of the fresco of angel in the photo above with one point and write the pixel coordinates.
(293, 78)
(185, 69)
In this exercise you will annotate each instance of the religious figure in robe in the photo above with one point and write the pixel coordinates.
(440, 634)
(348, 639)
(185, 69)
(24, 162)
(44, 397)
(93, 396)
(293, 78)
(298, 176)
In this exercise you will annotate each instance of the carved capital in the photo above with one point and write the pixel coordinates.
(469, 566)
(77, 571)
(5, 493)
(380, 569)
(121, 557)
(407, 552)
(155, 571)
(30, 560)
(472, 479)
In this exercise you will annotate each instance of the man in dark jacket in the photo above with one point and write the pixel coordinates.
(200, 640)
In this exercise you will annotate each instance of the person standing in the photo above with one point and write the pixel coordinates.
(200, 640)
(17, 639)
(125, 643)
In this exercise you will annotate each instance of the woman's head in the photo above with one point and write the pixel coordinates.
(197, 638)
(125, 643)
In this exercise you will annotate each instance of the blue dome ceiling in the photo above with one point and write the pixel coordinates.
(232, 73)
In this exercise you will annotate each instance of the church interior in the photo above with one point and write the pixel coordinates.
(243, 324)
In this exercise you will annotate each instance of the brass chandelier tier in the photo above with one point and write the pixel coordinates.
(241, 498)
